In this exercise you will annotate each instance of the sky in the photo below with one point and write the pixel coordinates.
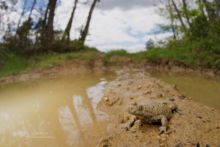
(116, 24)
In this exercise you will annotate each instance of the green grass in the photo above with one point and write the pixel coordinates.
(13, 65)
(181, 55)
(49, 60)
(203, 53)
(169, 54)
(16, 64)
(196, 53)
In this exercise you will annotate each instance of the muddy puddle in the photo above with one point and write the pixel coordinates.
(54, 112)
(200, 89)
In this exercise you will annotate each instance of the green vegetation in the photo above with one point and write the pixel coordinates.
(196, 33)
(191, 53)
(35, 43)
(16, 64)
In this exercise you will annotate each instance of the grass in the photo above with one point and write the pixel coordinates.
(203, 53)
(16, 64)
(196, 53)
(13, 65)
(180, 55)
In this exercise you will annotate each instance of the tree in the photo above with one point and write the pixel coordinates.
(85, 31)
(3, 11)
(172, 19)
(66, 34)
(22, 13)
(210, 10)
(201, 7)
(186, 12)
(179, 16)
(48, 31)
(32, 8)
(150, 44)
(218, 7)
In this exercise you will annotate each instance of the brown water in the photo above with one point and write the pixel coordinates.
(201, 89)
(56, 112)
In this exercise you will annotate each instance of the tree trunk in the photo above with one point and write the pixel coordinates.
(85, 31)
(201, 8)
(209, 10)
(66, 34)
(45, 17)
(218, 7)
(22, 13)
(49, 31)
(32, 8)
(43, 26)
(179, 16)
(185, 10)
(172, 20)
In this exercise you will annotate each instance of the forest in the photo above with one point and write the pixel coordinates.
(195, 26)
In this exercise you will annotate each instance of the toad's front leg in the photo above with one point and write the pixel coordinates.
(164, 124)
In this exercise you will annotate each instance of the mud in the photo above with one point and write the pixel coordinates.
(73, 67)
(99, 65)
(197, 124)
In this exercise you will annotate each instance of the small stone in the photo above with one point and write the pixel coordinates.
(181, 97)
(148, 92)
(189, 98)
(172, 99)
(106, 99)
(139, 86)
(200, 117)
(131, 98)
(104, 143)
(179, 145)
(160, 95)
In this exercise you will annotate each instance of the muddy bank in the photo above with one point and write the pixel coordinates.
(180, 68)
(99, 65)
(196, 124)
(73, 67)
(162, 65)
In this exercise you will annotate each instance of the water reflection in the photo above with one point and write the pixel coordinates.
(58, 112)
(201, 89)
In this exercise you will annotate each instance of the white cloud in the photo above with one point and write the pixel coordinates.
(110, 28)
(113, 28)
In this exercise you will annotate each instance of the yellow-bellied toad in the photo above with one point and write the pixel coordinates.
(153, 111)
